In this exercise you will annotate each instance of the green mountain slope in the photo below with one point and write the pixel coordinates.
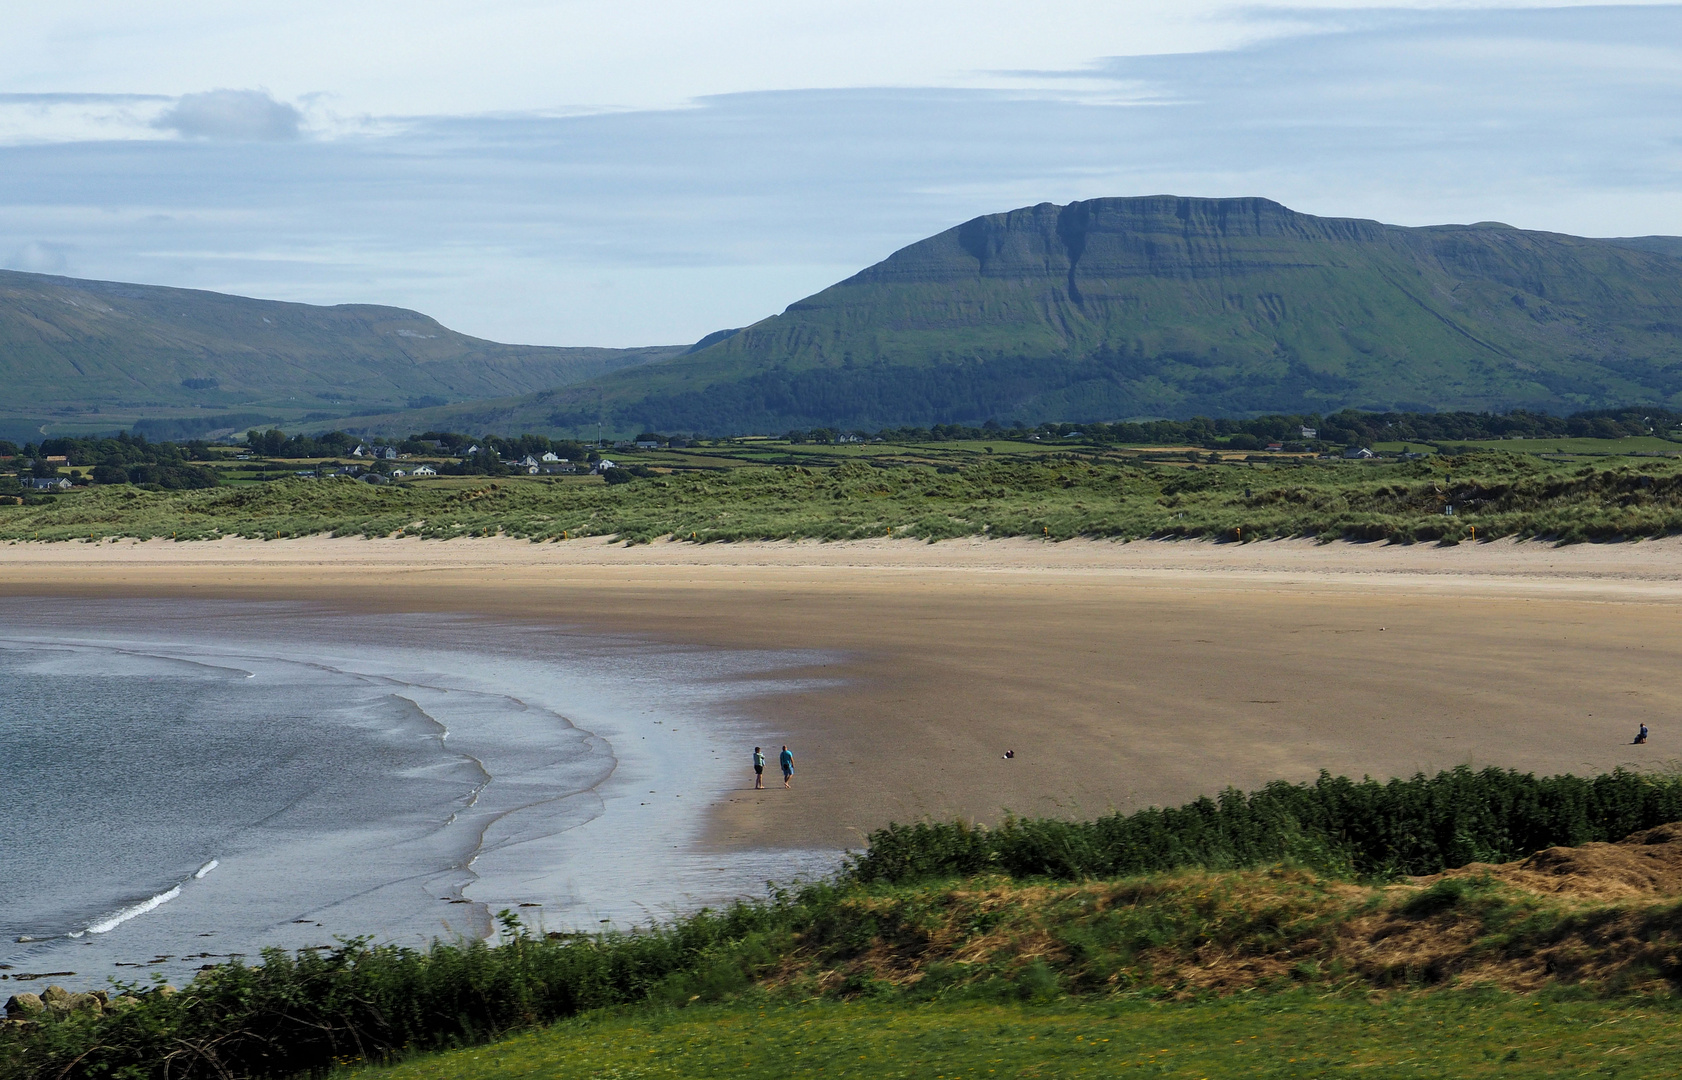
(93, 355)
(1168, 306)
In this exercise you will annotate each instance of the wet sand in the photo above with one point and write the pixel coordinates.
(1122, 675)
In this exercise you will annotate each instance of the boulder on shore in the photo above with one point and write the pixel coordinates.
(22, 1006)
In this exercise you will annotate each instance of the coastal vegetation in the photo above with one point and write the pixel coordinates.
(924, 491)
(961, 965)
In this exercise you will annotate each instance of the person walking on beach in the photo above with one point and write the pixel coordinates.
(758, 769)
(786, 760)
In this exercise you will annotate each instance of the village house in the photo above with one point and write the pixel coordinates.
(424, 470)
(549, 455)
(47, 483)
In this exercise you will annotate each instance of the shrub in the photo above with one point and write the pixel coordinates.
(1422, 825)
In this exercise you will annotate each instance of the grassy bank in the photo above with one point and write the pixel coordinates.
(1600, 920)
(1293, 1034)
(1491, 495)
(941, 978)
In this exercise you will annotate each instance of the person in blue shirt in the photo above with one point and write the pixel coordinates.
(758, 769)
(786, 760)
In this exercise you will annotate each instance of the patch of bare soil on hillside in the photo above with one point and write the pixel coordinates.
(1645, 864)
(1607, 917)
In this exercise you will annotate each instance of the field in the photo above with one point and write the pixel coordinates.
(1289, 1035)
(1598, 448)
(1299, 1033)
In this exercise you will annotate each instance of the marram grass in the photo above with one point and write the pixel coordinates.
(1492, 495)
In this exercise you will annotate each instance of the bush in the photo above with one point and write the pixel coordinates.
(1423, 825)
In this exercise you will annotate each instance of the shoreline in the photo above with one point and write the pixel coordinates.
(551, 822)
(1121, 674)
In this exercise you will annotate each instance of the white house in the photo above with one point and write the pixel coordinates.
(550, 455)
(1357, 452)
(359, 451)
(37, 483)
(424, 470)
(529, 462)
(1308, 432)
(604, 464)
(398, 472)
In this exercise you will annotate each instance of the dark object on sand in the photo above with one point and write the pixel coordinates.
(1010, 753)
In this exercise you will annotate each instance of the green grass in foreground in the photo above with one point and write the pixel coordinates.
(1452, 1034)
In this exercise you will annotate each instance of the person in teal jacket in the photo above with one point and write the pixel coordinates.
(758, 769)
(786, 760)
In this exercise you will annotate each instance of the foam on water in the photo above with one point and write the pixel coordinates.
(391, 776)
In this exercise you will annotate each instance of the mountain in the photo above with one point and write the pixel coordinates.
(1166, 306)
(1104, 309)
(95, 355)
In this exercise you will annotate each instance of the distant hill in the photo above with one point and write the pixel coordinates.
(94, 355)
(1170, 307)
(1664, 245)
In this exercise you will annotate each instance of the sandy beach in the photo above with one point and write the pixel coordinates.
(1122, 675)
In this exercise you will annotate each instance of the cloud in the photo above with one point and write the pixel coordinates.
(661, 225)
(39, 258)
(236, 115)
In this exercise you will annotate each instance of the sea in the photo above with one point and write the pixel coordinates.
(187, 783)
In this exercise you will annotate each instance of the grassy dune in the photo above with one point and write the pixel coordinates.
(1493, 494)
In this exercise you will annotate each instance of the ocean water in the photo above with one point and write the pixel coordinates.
(184, 782)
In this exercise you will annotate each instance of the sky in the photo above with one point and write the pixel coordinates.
(647, 171)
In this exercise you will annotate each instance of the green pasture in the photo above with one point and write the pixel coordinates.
(1297, 1034)
(1636, 444)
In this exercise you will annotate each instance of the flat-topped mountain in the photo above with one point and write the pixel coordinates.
(95, 354)
(1105, 309)
(1170, 306)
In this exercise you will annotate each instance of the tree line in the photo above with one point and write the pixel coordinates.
(123, 458)
(1348, 427)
